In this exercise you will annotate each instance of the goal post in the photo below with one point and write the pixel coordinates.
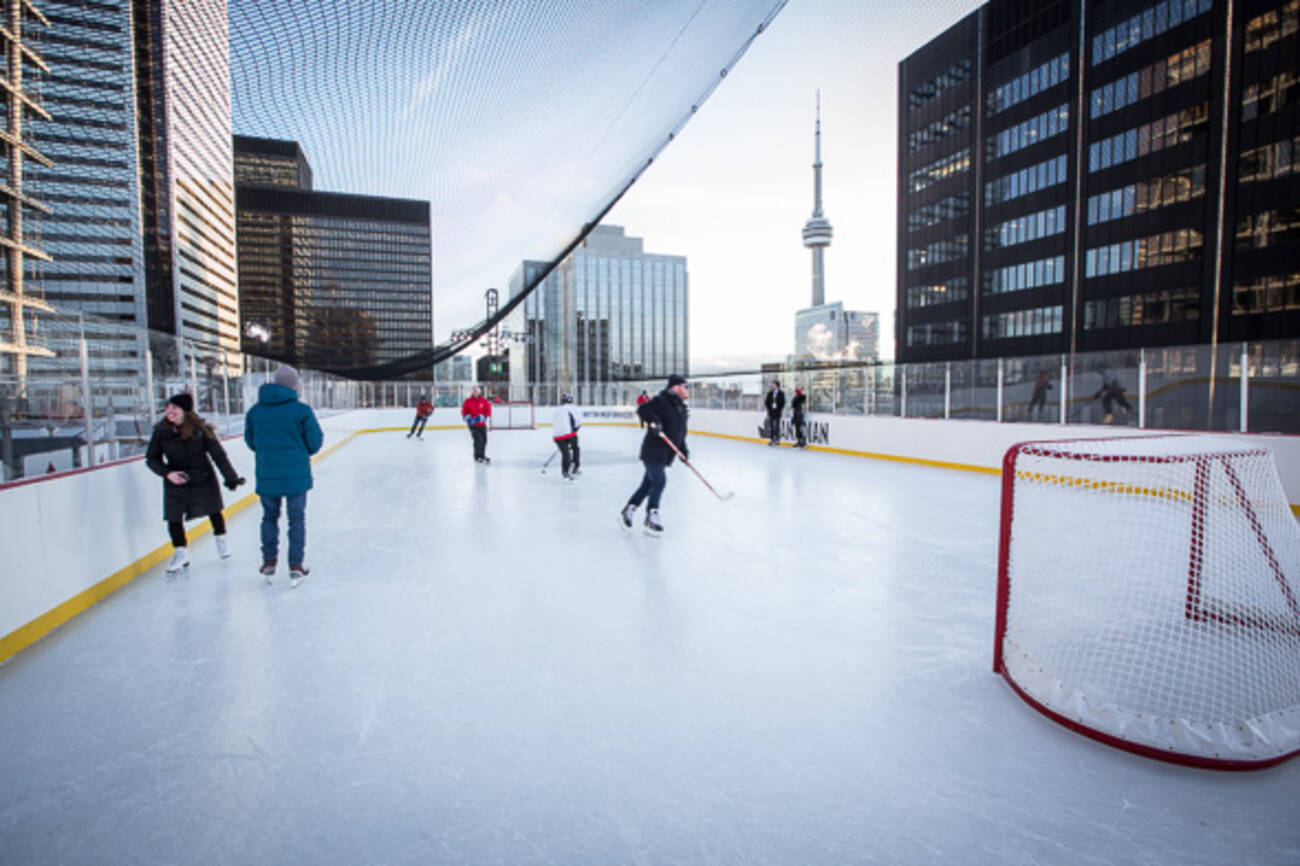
(1149, 595)
(513, 415)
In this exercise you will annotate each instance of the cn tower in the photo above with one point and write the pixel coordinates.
(817, 231)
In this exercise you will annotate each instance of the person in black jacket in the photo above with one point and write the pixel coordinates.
(774, 402)
(181, 451)
(664, 414)
(797, 406)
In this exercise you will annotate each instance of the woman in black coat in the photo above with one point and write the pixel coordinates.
(181, 452)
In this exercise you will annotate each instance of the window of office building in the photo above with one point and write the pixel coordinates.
(936, 333)
(940, 129)
(936, 293)
(1177, 128)
(1022, 323)
(1268, 228)
(1025, 275)
(945, 209)
(1263, 30)
(939, 170)
(1269, 96)
(1012, 186)
(1144, 308)
(934, 253)
(1030, 132)
(1034, 81)
(1271, 294)
(1023, 229)
(1268, 161)
(1180, 245)
(1145, 25)
(1135, 198)
(1170, 71)
(950, 78)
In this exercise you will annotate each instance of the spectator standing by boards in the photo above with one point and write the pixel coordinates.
(774, 402)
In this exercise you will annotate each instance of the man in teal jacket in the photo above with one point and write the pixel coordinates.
(283, 434)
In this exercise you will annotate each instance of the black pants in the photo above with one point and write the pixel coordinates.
(800, 432)
(420, 421)
(176, 529)
(479, 435)
(568, 453)
(774, 427)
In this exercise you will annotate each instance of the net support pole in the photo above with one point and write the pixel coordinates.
(902, 376)
(87, 403)
(1244, 420)
(148, 383)
(1142, 388)
(225, 386)
(1065, 388)
(947, 390)
(1000, 375)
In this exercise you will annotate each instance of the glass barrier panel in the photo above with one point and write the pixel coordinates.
(1179, 392)
(1273, 391)
(1031, 389)
(1103, 388)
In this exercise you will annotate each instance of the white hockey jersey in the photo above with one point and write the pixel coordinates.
(567, 420)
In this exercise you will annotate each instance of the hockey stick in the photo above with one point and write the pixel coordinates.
(722, 497)
(548, 461)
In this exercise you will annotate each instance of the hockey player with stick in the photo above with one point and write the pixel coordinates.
(564, 430)
(475, 411)
(664, 414)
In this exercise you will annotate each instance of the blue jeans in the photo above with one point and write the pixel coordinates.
(297, 527)
(652, 484)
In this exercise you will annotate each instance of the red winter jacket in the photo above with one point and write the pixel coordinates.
(476, 411)
(424, 408)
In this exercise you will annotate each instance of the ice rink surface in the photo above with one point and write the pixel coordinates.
(483, 668)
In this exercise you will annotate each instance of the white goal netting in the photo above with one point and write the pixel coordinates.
(1149, 595)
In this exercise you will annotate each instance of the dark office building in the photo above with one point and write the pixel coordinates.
(1121, 180)
(327, 280)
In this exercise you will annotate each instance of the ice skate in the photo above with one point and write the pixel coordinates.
(180, 560)
(625, 516)
(223, 549)
(297, 574)
(268, 570)
(652, 524)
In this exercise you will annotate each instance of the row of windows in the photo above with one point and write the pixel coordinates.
(1027, 180)
(938, 251)
(1145, 308)
(1267, 97)
(1022, 323)
(1263, 30)
(940, 129)
(1268, 228)
(1035, 81)
(1026, 275)
(937, 333)
(1149, 23)
(1030, 132)
(935, 213)
(1275, 159)
(938, 170)
(1164, 132)
(1178, 67)
(1180, 245)
(1181, 186)
(956, 74)
(1029, 227)
(1271, 294)
(936, 293)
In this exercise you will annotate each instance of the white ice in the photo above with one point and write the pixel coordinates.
(483, 667)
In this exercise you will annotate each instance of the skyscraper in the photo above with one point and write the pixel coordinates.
(1087, 177)
(610, 311)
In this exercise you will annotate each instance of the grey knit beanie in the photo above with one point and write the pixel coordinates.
(286, 376)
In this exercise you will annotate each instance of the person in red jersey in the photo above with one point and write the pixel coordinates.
(476, 411)
(423, 410)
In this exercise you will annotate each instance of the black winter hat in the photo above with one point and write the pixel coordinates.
(674, 379)
(183, 400)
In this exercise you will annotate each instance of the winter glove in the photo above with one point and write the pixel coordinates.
(655, 428)
(231, 485)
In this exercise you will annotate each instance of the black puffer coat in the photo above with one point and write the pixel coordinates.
(200, 496)
(669, 412)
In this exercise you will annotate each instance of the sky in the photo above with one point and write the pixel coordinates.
(733, 190)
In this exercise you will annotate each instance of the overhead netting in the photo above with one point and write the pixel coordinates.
(520, 121)
(1150, 595)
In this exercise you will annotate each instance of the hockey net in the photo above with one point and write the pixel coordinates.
(1149, 595)
(515, 415)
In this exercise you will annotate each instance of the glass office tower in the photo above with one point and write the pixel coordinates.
(1078, 177)
(610, 311)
